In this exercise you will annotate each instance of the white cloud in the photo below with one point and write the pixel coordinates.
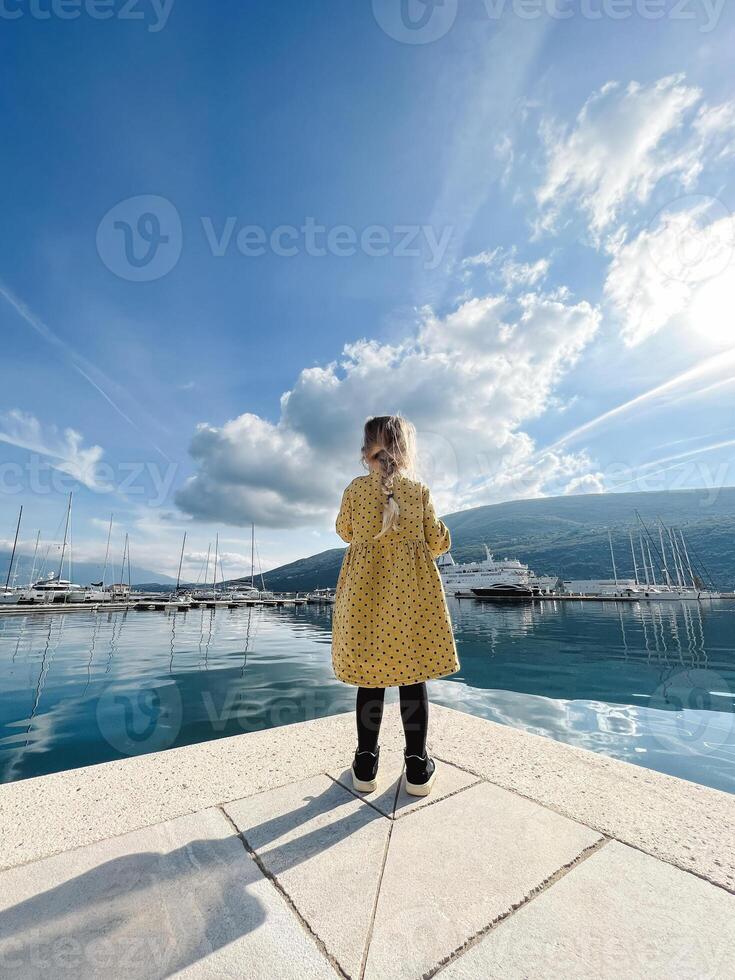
(589, 483)
(62, 450)
(469, 381)
(681, 265)
(502, 266)
(623, 142)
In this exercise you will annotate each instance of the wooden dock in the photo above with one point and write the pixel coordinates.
(145, 605)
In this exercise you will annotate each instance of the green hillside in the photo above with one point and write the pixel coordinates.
(566, 535)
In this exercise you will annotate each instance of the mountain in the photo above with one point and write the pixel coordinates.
(84, 572)
(566, 536)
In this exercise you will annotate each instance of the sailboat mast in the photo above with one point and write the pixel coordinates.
(35, 553)
(643, 556)
(107, 552)
(66, 532)
(635, 563)
(15, 545)
(686, 554)
(665, 568)
(612, 556)
(214, 573)
(650, 562)
(206, 568)
(181, 562)
(127, 548)
(252, 555)
(675, 556)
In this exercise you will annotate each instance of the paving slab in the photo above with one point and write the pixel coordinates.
(325, 848)
(619, 915)
(390, 796)
(181, 896)
(455, 867)
(681, 822)
(49, 814)
(389, 776)
(449, 780)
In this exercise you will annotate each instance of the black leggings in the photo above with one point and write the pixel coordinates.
(414, 715)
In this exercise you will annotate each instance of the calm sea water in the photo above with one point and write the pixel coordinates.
(651, 684)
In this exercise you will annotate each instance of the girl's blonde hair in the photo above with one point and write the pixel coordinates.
(391, 441)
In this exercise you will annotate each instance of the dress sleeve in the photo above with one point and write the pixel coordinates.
(344, 518)
(436, 532)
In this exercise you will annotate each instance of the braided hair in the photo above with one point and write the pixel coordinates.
(389, 440)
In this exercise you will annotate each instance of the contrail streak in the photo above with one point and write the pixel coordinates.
(718, 363)
(79, 364)
(675, 460)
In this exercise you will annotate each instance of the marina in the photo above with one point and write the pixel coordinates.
(666, 572)
(648, 683)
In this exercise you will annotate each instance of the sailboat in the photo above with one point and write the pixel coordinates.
(54, 588)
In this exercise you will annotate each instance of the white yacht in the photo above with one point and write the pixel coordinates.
(623, 587)
(321, 595)
(488, 578)
(54, 589)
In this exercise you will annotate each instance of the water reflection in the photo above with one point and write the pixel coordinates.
(649, 683)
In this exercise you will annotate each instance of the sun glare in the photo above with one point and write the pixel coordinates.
(712, 311)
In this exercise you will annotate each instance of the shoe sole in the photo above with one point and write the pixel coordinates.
(421, 789)
(363, 786)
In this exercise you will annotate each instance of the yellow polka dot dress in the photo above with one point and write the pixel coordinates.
(391, 625)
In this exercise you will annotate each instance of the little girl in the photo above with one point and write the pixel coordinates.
(391, 625)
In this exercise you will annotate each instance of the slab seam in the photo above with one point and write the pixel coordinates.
(371, 925)
(439, 799)
(284, 894)
(671, 864)
(359, 796)
(607, 833)
(535, 893)
(215, 805)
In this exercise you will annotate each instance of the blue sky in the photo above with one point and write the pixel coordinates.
(518, 233)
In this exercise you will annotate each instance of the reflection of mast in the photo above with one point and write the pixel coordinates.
(45, 667)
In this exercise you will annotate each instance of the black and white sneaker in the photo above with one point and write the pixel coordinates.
(365, 771)
(420, 774)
